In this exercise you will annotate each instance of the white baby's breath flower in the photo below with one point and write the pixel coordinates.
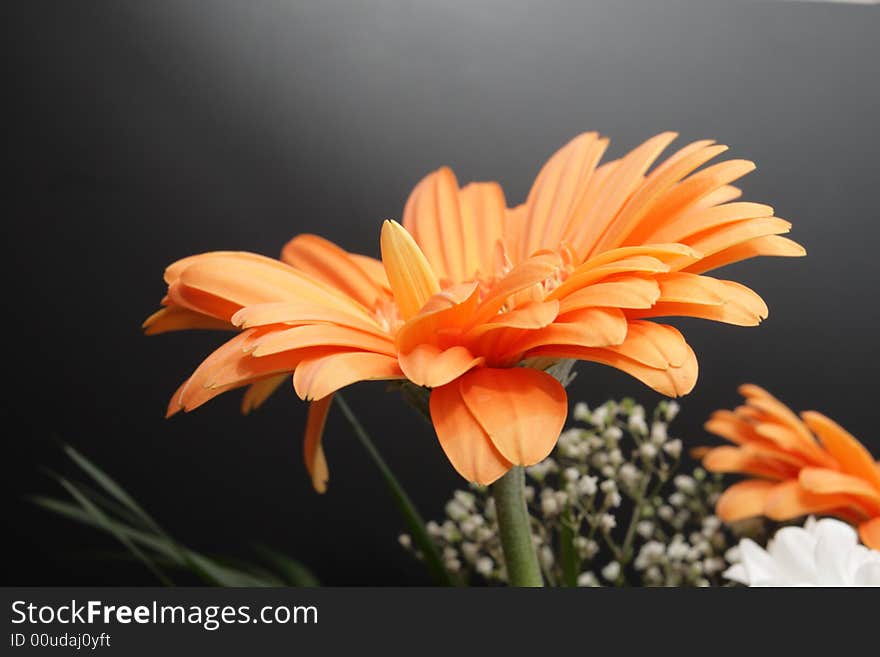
(587, 579)
(607, 522)
(673, 448)
(611, 571)
(587, 485)
(645, 528)
(821, 553)
(484, 566)
(658, 433)
(581, 412)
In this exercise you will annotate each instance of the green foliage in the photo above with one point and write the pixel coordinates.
(103, 504)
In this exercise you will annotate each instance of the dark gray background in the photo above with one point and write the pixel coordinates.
(142, 132)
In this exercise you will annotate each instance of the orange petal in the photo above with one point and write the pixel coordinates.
(790, 500)
(843, 446)
(620, 186)
(772, 245)
(409, 274)
(737, 459)
(466, 444)
(869, 532)
(374, 269)
(447, 313)
(620, 292)
(521, 409)
(313, 451)
(247, 279)
(301, 337)
(649, 205)
(430, 366)
(589, 327)
(532, 271)
(825, 481)
(301, 313)
(668, 379)
(177, 318)
(325, 261)
(316, 378)
(745, 499)
(433, 217)
(697, 219)
(655, 345)
(554, 201)
(530, 316)
(482, 214)
(259, 391)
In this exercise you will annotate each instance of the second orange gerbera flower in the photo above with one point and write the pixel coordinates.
(471, 299)
(798, 466)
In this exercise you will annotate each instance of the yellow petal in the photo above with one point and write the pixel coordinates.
(409, 274)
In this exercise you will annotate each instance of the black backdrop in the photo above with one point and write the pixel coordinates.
(142, 132)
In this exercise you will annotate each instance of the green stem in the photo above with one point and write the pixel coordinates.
(567, 553)
(514, 530)
(410, 514)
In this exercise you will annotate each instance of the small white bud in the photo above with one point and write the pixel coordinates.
(549, 506)
(587, 579)
(658, 433)
(456, 510)
(612, 434)
(615, 457)
(571, 474)
(685, 484)
(484, 566)
(587, 485)
(581, 412)
(611, 571)
(405, 541)
(629, 475)
(607, 522)
(470, 551)
(453, 565)
(673, 448)
(645, 528)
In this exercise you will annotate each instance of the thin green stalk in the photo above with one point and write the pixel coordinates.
(514, 530)
(411, 516)
(567, 552)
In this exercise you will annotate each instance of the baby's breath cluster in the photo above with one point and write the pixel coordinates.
(608, 508)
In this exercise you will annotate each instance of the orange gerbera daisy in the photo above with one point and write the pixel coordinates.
(468, 291)
(803, 465)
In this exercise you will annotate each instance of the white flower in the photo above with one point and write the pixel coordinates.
(484, 566)
(673, 448)
(612, 571)
(581, 412)
(822, 553)
(587, 579)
